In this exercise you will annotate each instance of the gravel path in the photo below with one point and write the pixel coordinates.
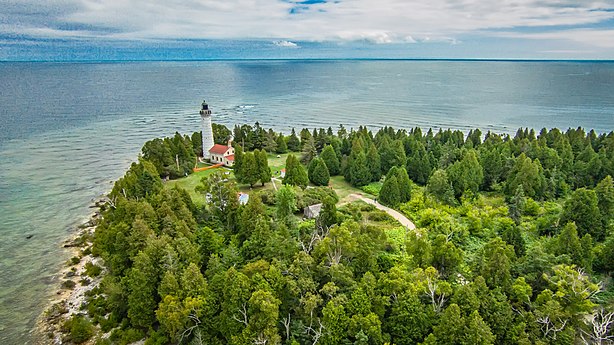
(395, 214)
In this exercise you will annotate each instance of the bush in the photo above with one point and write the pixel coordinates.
(79, 329)
(372, 188)
(268, 197)
(381, 216)
(92, 270)
(74, 260)
(68, 284)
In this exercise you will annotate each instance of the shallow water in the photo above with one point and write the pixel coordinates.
(68, 130)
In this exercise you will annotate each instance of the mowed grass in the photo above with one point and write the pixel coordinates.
(190, 183)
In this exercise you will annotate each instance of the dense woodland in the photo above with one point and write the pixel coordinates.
(515, 242)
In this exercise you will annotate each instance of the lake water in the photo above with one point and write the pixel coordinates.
(67, 130)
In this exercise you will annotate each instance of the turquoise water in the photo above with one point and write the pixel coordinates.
(68, 130)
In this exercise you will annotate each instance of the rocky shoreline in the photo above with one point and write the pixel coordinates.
(74, 281)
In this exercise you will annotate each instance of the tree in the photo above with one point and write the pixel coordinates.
(583, 209)
(496, 264)
(391, 153)
(373, 163)
(517, 203)
(477, 331)
(286, 202)
(282, 147)
(295, 173)
(440, 187)
(238, 165)
(332, 161)
(262, 162)
(390, 194)
(328, 215)
(294, 143)
(404, 185)
(466, 174)
(451, 327)
(309, 151)
(358, 170)
(529, 174)
(318, 172)
(605, 198)
(568, 243)
(221, 196)
(249, 169)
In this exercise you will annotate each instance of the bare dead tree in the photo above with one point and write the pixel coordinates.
(599, 325)
(437, 299)
(286, 322)
(549, 329)
(316, 334)
(243, 311)
(195, 324)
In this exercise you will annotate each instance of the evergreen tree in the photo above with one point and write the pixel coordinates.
(282, 147)
(295, 173)
(440, 187)
(250, 173)
(466, 174)
(309, 151)
(305, 136)
(358, 170)
(404, 185)
(392, 153)
(582, 208)
(238, 165)
(477, 331)
(332, 161)
(294, 143)
(568, 243)
(390, 194)
(529, 174)
(605, 199)
(318, 172)
(264, 172)
(328, 215)
(517, 203)
(373, 163)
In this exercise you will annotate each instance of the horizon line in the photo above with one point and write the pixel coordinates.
(309, 59)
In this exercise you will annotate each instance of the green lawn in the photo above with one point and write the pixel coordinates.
(190, 182)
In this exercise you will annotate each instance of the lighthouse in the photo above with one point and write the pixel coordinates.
(205, 115)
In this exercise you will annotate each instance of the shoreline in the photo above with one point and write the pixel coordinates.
(71, 282)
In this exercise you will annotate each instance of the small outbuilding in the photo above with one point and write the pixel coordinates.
(312, 211)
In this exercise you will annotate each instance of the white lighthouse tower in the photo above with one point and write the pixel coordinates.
(205, 115)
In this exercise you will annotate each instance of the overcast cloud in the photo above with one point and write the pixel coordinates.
(579, 23)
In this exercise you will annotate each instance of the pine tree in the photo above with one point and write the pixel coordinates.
(358, 170)
(309, 151)
(318, 172)
(440, 187)
(605, 198)
(332, 161)
(249, 169)
(238, 165)
(328, 216)
(373, 163)
(282, 147)
(294, 143)
(295, 173)
(389, 194)
(582, 208)
(264, 172)
(404, 185)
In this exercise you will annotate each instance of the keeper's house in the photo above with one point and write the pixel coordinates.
(224, 154)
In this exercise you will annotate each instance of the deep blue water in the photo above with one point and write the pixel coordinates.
(67, 130)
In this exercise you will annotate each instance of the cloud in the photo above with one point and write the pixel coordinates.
(286, 21)
(285, 44)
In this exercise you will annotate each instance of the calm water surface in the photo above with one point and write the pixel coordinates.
(68, 130)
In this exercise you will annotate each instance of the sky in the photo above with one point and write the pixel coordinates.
(235, 29)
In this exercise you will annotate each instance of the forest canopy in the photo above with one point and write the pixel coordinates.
(514, 242)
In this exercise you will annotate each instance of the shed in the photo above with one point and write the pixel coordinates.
(312, 211)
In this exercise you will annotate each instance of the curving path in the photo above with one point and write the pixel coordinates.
(395, 214)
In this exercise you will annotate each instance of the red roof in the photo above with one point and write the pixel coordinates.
(230, 157)
(218, 149)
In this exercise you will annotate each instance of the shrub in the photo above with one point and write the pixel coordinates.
(92, 270)
(68, 284)
(74, 260)
(372, 188)
(79, 329)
